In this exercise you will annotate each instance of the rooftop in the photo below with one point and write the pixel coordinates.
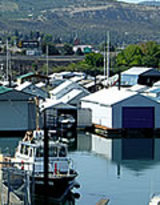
(136, 70)
(23, 85)
(26, 75)
(61, 87)
(109, 96)
(4, 89)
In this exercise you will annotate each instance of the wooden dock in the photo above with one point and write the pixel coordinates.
(14, 199)
(103, 202)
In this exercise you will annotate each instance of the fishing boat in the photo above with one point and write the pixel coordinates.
(29, 157)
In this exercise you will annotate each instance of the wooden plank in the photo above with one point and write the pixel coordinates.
(103, 202)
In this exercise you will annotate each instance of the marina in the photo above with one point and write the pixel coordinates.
(116, 169)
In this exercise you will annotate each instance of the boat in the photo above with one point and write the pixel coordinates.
(29, 157)
(155, 199)
(66, 120)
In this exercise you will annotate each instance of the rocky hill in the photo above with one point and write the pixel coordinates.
(150, 3)
(89, 19)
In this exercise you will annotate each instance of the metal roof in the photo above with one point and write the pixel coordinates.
(109, 96)
(26, 75)
(151, 73)
(61, 87)
(23, 85)
(4, 89)
(136, 70)
(70, 95)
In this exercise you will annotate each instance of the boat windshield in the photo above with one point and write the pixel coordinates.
(24, 149)
(53, 151)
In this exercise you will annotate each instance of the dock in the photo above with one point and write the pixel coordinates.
(14, 199)
(103, 202)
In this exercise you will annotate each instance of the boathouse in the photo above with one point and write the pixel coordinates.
(130, 77)
(18, 110)
(114, 108)
(32, 89)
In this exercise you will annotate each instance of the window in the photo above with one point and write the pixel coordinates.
(62, 152)
(26, 150)
(39, 152)
(53, 152)
(31, 152)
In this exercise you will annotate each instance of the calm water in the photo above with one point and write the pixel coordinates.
(126, 171)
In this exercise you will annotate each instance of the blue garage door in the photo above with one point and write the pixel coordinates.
(138, 117)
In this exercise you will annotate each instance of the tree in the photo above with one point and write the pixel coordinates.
(130, 56)
(52, 50)
(94, 59)
(68, 49)
(47, 38)
(151, 53)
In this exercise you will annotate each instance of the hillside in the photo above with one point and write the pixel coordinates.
(89, 19)
(150, 3)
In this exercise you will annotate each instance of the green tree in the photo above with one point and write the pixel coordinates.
(94, 59)
(47, 38)
(151, 53)
(130, 56)
(68, 49)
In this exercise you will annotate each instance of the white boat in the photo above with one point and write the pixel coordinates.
(66, 120)
(30, 157)
(155, 200)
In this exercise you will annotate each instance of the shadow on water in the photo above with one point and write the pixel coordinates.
(41, 200)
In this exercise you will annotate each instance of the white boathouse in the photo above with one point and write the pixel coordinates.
(113, 108)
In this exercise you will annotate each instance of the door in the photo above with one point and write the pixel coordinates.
(138, 117)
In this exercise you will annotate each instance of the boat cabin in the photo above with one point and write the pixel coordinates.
(31, 156)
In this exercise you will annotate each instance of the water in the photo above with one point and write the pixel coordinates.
(126, 171)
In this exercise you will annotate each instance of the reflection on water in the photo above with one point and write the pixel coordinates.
(41, 200)
(126, 171)
(8, 145)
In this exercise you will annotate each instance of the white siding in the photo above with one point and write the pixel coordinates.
(101, 115)
(102, 146)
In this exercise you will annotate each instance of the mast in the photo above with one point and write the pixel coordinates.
(7, 60)
(47, 58)
(108, 41)
(104, 58)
